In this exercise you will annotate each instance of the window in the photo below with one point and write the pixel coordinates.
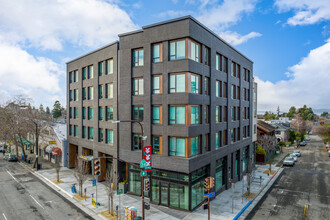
(194, 146)
(109, 66)
(90, 133)
(75, 111)
(195, 80)
(207, 86)
(193, 50)
(137, 145)
(225, 90)
(225, 117)
(225, 137)
(177, 50)
(220, 174)
(75, 95)
(194, 119)
(218, 137)
(90, 72)
(207, 56)
(233, 92)
(238, 93)
(100, 91)
(90, 113)
(70, 130)
(138, 113)
(238, 136)
(238, 114)
(218, 88)
(75, 131)
(157, 114)
(206, 114)
(218, 113)
(100, 113)
(157, 84)
(100, 135)
(224, 63)
(70, 77)
(246, 75)
(138, 86)
(84, 75)
(109, 90)
(138, 57)
(70, 112)
(75, 76)
(156, 144)
(177, 115)
(218, 59)
(233, 113)
(157, 52)
(238, 71)
(90, 94)
(100, 68)
(108, 136)
(177, 146)
(84, 93)
(109, 113)
(84, 132)
(84, 113)
(177, 83)
(233, 69)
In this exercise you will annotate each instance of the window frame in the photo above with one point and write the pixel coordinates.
(160, 89)
(136, 83)
(160, 121)
(139, 108)
(160, 58)
(174, 121)
(136, 62)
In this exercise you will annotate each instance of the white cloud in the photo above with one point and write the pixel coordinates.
(235, 38)
(173, 14)
(219, 17)
(23, 74)
(309, 83)
(49, 24)
(306, 11)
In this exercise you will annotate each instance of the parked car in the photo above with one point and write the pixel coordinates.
(2, 149)
(288, 161)
(329, 153)
(12, 158)
(327, 147)
(308, 138)
(297, 153)
(303, 143)
(295, 158)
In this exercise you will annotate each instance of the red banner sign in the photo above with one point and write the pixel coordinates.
(147, 156)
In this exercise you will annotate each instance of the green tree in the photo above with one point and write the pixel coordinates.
(269, 116)
(292, 136)
(325, 114)
(57, 109)
(278, 111)
(47, 110)
(41, 109)
(291, 112)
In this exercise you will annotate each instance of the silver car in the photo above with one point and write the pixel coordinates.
(295, 158)
(288, 161)
(329, 153)
(297, 153)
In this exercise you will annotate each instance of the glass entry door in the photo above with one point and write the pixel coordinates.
(164, 193)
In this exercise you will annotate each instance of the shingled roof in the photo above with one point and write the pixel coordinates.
(267, 128)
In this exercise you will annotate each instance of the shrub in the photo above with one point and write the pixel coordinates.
(260, 150)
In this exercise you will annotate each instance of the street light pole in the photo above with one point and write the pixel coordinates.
(142, 178)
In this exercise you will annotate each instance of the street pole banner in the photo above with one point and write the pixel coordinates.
(147, 157)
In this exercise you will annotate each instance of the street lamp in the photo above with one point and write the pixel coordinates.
(143, 138)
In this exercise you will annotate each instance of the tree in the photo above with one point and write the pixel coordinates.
(281, 144)
(80, 173)
(41, 109)
(292, 136)
(111, 187)
(268, 143)
(269, 116)
(47, 110)
(324, 132)
(57, 109)
(291, 112)
(298, 124)
(325, 114)
(278, 111)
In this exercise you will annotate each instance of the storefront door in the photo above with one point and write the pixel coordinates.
(164, 193)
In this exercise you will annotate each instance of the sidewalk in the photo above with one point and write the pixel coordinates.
(225, 206)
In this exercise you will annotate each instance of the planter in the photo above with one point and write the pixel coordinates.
(124, 187)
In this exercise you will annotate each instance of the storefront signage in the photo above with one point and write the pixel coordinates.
(52, 142)
(147, 157)
(209, 195)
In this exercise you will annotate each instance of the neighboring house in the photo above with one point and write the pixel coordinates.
(52, 138)
(281, 132)
(264, 128)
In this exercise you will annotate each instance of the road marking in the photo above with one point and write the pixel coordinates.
(37, 202)
(12, 176)
(4, 216)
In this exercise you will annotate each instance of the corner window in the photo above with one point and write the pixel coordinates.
(177, 115)
(138, 86)
(194, 83)
(138, 113)
(70, 77)
(157, 114)
(100, 68)
(194, 117)
(177, 146)
(194, 146)
(90, 72)
(70, 112)
(156, 144)
(84, 93)
(194, 50)
(109, 66)
(177, 49)
(70, 130)
(138, 57)
(225, 90)
(84, 114)
(157, 84)
(157, 52)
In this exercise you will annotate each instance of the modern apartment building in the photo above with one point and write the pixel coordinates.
(191, 91)
(255, 119)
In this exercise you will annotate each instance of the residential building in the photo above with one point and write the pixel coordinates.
(191, 92)
(255, 119)
(281, 132)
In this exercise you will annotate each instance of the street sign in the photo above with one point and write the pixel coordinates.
(94, 182)
(209, 195)
(119, 191)
(143, 164)
(148, 167)
(52, 142)
(147, 157)
(143, 173)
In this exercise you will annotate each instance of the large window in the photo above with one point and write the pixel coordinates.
(177, 146)
(177, 49)
(100, 113)
(84, 113)
(138, 113)
(90, 72)
(157, 52)
(84, 132)
(90, 113)
(157, 114)
(100, 135)
(195, 82)
(90, 94)
(109, 113)
(109, 136)
(109, 66)
(136, 145)
(177, 115)
(207, 86)
(194, 117)
(220, 174)
(109, 90)
(194, 146)
(100, 91)
(138, 57)
(90, 133)
(157, 84)
(84, 93)
(179, 196)
(156, 144)
(197, 192)
(138, 86)
(135, 183)
(178, 83)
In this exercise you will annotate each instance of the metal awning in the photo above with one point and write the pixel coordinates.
(49, 148)
(43, 145)
(57, 151)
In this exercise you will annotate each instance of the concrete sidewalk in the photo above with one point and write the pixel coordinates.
(225, 206)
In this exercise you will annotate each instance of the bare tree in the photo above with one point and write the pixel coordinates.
(298, 124)
(324, 132)
(80, 173)
(58, 167)
(268, 143)
(111, 186)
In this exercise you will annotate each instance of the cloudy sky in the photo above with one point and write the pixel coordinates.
(288, 40)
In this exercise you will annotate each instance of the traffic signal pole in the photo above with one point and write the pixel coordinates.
(208, 205)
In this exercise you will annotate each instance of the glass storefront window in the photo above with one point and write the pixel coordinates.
(198, 174)
(135, 183)
(179, 196)
(219, 179)
(155, 191)
(197, 192)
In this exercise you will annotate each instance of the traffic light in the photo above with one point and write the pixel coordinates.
(206, 184)
(211, 182)
(96, 167)
(146, 185)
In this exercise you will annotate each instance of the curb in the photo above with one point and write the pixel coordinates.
(64, 194)
(259, 198)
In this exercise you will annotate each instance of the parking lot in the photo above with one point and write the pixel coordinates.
(306, 183)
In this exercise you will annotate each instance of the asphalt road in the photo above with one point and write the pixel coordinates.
(308, 182)
(23, 196)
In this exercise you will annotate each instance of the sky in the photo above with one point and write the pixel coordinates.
(288, 41)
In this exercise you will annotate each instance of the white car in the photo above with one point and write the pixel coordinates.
(295, 158)
(288, 161)
(329, 153)
(297, 153)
